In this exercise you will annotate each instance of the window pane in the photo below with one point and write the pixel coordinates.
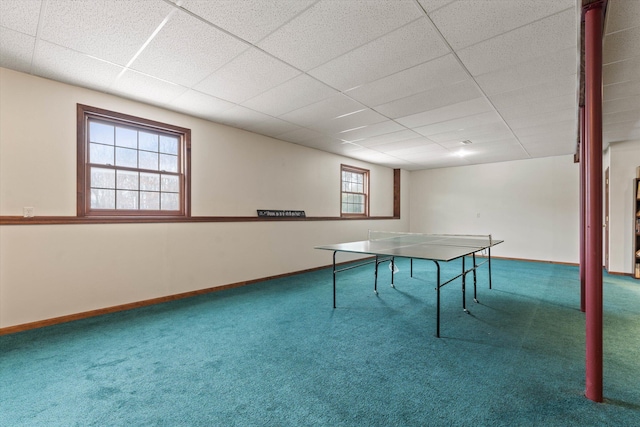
(103, 199)
(359, 188)
(170, 183)
(127, 199)
(149, 200)
(148, 160)
(359, 176)
(100, 133)
(148, 141)
(126, 137)
(168, 163)
(345, 207)
(126, 157)
(103, 178)
(150, 181)
(127, 180)
(100, 154)
(170, 202)
(169, 144)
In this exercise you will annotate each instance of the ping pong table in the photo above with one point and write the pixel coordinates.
(386, 246)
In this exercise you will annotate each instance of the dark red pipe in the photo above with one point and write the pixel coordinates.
(583, 201)
(593, 17)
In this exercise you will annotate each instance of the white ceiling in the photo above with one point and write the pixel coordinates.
(394, 82)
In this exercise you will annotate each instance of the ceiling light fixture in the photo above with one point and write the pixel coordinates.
(465, 142)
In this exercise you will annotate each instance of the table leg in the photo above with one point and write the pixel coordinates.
(475, 278)
(334, 279)
(437, 299)
(464, 286)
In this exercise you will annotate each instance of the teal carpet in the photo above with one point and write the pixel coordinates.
(277, 354)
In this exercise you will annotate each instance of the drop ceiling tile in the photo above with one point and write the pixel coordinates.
(542, 123)
(57, 63)
(248, 75)
(533, 72)
(567, 115)
(409, 146)
(331, 28)
(293, 94)
(372, 156)
(472, 133)
(300, 135)
(431, 99)
(621, 90)
(431, 5)
(621, 104)
(480, 138)
(324, 143)
(271, 126)
(326, 109)
(449, 112)
(628, 125)
(358, 119)
(622, 71)
(465, 23)
(429, 75)
(566, 129)
(557, 147)
(629, 134)
(386, 138)
(16, 50)
(250, 20)
(370, 131)
(201, 105)
(621, 14)
(621, 45)
(134, 85)
(504, 154)
(20, 15)
(241, 117)
(541, 38)
(560, 85)
(188, 51)
(110, 29)
(534, 108)
(403, 48)
(621, 117)
(459, 124)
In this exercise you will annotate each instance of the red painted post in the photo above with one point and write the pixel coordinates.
(593, 17)
(583, 201)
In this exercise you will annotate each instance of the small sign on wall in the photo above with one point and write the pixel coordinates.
(280, 213)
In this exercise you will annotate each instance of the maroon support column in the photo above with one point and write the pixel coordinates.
(593, 17)
(583, 201)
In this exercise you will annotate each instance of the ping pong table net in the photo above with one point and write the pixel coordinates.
(463, 240)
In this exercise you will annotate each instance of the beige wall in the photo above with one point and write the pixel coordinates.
(531, 204)
(48, 271)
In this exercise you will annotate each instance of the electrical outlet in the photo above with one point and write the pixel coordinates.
(28, 212)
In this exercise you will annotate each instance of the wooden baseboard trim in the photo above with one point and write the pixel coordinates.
(138, 304)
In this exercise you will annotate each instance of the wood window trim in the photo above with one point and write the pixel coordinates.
(366, 172)
(83, 114)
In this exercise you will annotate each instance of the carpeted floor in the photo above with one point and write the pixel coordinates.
(277, 354)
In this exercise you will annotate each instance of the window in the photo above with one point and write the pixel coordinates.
(354, 193)
(128, 166)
